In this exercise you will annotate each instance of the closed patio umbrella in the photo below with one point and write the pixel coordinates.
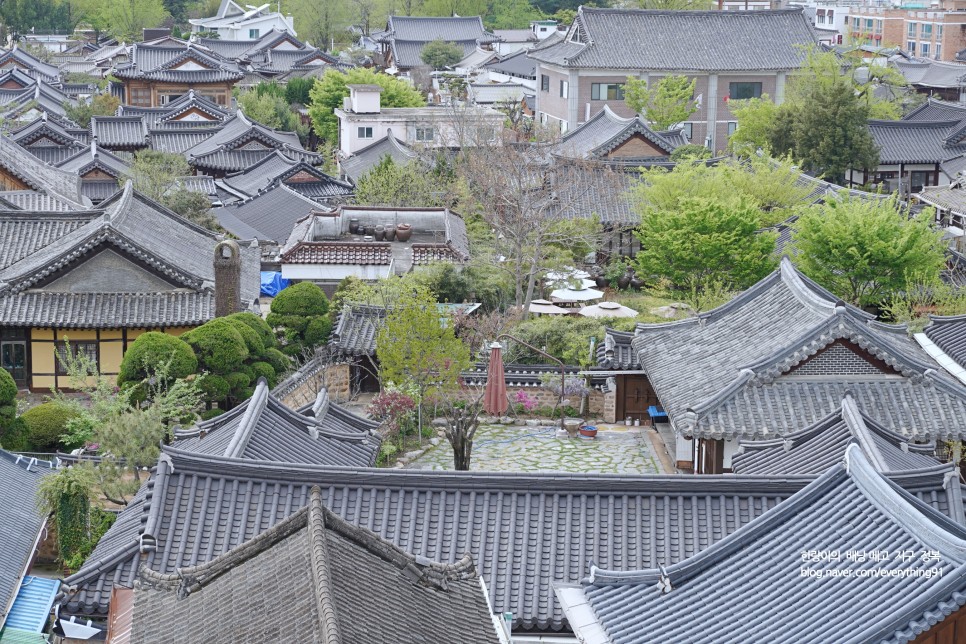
(608, 310)
(495, 402)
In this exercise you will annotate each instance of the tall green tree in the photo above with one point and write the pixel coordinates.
(124, 20)
(756, 122)
(824, 122)
(329, 91)
(439, 54)
(99, 105)
(415, 345)
(667, 102)
(865, 251)
(24, 16)
(154, 172)
(705, 245)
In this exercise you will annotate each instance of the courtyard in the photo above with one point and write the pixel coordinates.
(617, 449)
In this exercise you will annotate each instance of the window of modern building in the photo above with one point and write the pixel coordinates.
(252, 34)
(732, 126)
(740, 91)
(365, 133)
(911, 46)
(926, 31)
(423, 134)
(939, 51)
(606, 92)
(911, 30)
(688, 130)
(564, 89)
(544, 83)
(924, 49)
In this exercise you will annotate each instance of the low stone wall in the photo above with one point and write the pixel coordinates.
(544, 398)
(303, 386)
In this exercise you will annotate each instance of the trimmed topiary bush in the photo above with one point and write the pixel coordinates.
(14, 436)
(218, 345)
(155, 348)
(258, 325)
(300, 315)
(279, 361)
(46, 423)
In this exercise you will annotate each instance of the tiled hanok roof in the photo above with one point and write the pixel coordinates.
(821, 446)
(20, 520)
(339, 252)
(750, 585)
(320, 580)
(525, 531)
(681, 41)
(263, 429)
(733, 371)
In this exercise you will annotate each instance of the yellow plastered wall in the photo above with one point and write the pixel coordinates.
(112, 343)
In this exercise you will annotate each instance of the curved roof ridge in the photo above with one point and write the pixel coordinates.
(687, 568)
(792, 279)
(321, 572)
(253, 411)
(884, 495)
(855, 421)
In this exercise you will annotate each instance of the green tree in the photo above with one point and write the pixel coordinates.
(270, 108)
(46, 423)
(123, 20)
(772, 185)
(667, 102)
(67, 496)
(866, 251)
(154, 172)
(100, 105)
(824, 122)
(691, 152)
(399, 185)
(234, 352)
(300, 313)
(13, 431)
(149, 350)
(23, 16)
(439, 54)
(416, 346)
(328, 92)
(297, 91)
(193, 206)
(704, 245)
(756, 122)
(675, 5)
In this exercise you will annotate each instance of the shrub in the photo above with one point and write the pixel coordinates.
(14, 436)
(46, 423)
(219, 346)
(258, 325)
(265, 370)
(279, 361)
(152, 349)
(300, 314)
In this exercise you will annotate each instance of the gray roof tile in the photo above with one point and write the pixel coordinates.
(749, 585)
(605, 131)
(821, 446)
(270, 215)
(360, 163)
(525, 531)
(914, 141)
(681, 41)
(730, 372)
(319, 580)
(263, 429)
(949, 334)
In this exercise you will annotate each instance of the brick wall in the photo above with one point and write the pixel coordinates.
(595, 401)
(837, 359)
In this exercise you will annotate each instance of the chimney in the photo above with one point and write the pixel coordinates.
(227, 278)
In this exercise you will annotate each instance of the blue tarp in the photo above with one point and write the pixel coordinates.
(272, 283)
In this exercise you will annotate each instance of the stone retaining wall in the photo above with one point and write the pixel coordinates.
(303, 386)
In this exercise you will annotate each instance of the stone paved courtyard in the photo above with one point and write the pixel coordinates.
(512, 448)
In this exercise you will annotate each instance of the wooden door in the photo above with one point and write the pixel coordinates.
(709, 456)
(635, 395)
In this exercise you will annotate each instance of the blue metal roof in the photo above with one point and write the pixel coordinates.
(32, 606)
